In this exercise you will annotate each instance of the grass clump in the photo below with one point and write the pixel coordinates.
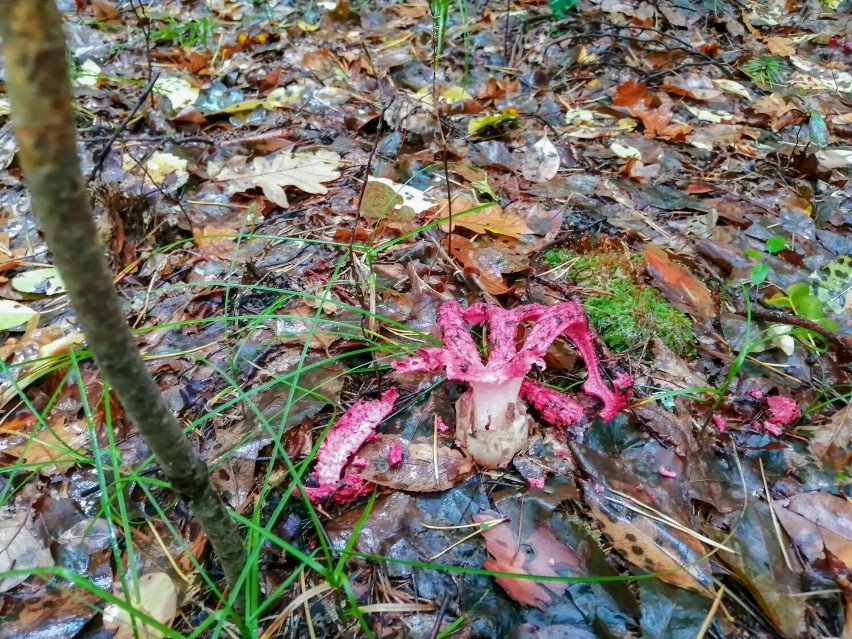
(624, 311)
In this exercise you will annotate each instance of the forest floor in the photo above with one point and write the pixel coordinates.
(297, 196)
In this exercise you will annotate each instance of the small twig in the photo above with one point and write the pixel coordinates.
(439, 618)
(506, 33)
(844, 342)
(102, 158)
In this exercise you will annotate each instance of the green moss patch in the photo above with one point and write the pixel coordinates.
(625, 312)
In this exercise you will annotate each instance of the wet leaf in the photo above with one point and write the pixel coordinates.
(416, 472)
(21, 545)
(760, 565)
(681, 288)
(539, 554)
(669, 613)
(650, 544)
(541, 162)
(494, 219)
(400, 202)
(818, 522)
(307, 172)
(14, 314)
(831, 442)
(42, 281)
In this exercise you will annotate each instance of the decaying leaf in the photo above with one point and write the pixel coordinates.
(818, 522)
(541, 162)
(760, 565)
(272, 173)
(539, 554)
(21, 545)
(52, 449)
(156, 597)
(650, 544)
(493, 218)
(831, 442)
(416, 472)
(386, 199)
(681, 288)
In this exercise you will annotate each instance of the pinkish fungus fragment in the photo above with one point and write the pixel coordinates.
(773, 429)
(395, 454)
(536, 482)
(667, 473)
(720, 422)
(554, 407)
(355, 427)
(491, 421)
(782, 410)
(755, 393)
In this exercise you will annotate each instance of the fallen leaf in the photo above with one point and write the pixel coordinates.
(21, 546)
(781, 46)
(493, 218)
(681, 288)
(508, 117)
(40, 281)
(416, 473)
(830, 442)
(541, 162)
(156, 596)
(692, 85)
(625, 151)
(760, 565)
(272, 173)
(657, 123)
(221, 247)
(629, 93)
(52, 449)
(731, 86)
(14, 314)
(650, 544)
(384, 198)
(818, 522)
(539, 554)
(179, 91)
(834, 158)
(482, 265)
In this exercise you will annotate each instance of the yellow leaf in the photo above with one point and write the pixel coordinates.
(479, 123)
(498, 222)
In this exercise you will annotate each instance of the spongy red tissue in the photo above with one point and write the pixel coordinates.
(354, 428)
(782, 410)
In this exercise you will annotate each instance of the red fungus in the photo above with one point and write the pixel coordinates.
(355, 427)
(772, 429)
(395, 454)
(554, 407)
(491, 420)
(664, 472)
(782, 410)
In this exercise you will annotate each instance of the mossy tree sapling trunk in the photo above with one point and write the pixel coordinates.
(39, 91)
